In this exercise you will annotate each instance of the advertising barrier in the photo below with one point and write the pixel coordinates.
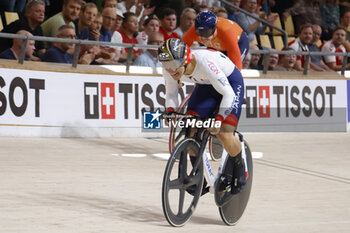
(38, 103)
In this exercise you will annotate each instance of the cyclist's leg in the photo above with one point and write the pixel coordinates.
(231, 144)
(202, 103)
(233, 177)
(243, 45)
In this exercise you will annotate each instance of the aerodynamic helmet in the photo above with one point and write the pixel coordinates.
(205, 23)
(174, 53)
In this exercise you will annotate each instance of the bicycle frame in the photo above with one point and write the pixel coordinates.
(208, 171)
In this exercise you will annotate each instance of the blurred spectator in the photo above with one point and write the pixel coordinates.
(273, 61)
(220, 12)
(300, 44)
(250, 25)
(330, 18)
(109, 3)
(13, 53)
(338, 43)
(256, 59)
(186, 21)
(118, 21)
(345, 23)
(177, 5)
(87, 16)
(34, 16)
(101, 30)
(70, 12)
(305, 11)
(136, 7)
(151, 25)
(287, 61)
(246, 62)
(96, 26)
(258, 3)
(129, 31)
(58, 51)
(232, 12)
(12, 5)
(344, 5)
(201, 8)
(168, 24)
(109, 17)
(316, 60)
(150, 57)
(117, 36)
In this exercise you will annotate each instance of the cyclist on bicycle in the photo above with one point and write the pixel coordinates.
(221, 34)
(218, 84)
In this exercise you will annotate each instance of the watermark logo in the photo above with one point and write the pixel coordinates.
(155, 121)
(152, 120)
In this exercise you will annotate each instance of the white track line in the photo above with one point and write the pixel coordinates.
(257, 155)
(134, 155)
(164, 156)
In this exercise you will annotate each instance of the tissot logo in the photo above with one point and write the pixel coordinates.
(289, 101)
(99, 95)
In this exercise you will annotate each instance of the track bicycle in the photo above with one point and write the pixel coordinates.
(189, 174)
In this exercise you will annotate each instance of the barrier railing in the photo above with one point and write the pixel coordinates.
(78, 43)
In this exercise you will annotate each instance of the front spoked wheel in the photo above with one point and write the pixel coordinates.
(178, 204)
(233, 210)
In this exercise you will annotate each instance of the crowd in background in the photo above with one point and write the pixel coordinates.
(151, 22)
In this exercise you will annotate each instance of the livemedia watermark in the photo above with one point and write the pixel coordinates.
(155, 121)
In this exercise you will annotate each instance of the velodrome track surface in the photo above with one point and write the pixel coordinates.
(302, 184)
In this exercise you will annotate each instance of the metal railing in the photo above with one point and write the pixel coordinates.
(307, 55)
(285, 34)
(78, 43)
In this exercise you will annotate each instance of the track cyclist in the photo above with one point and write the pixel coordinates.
(220, 34)
(218, 84)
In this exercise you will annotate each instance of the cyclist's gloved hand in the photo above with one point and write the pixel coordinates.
(168, 115)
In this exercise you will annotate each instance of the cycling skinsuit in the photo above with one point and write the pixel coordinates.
(218, 83)
(230, 38)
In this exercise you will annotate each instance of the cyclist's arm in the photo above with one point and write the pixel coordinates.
(171, 90)
(221, 84)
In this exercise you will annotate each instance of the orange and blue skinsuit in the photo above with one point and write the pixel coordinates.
(230, 39)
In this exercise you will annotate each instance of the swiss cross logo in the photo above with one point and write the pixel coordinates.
(99, 99)
(107, 101)
(264, 101)
(258, 101)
